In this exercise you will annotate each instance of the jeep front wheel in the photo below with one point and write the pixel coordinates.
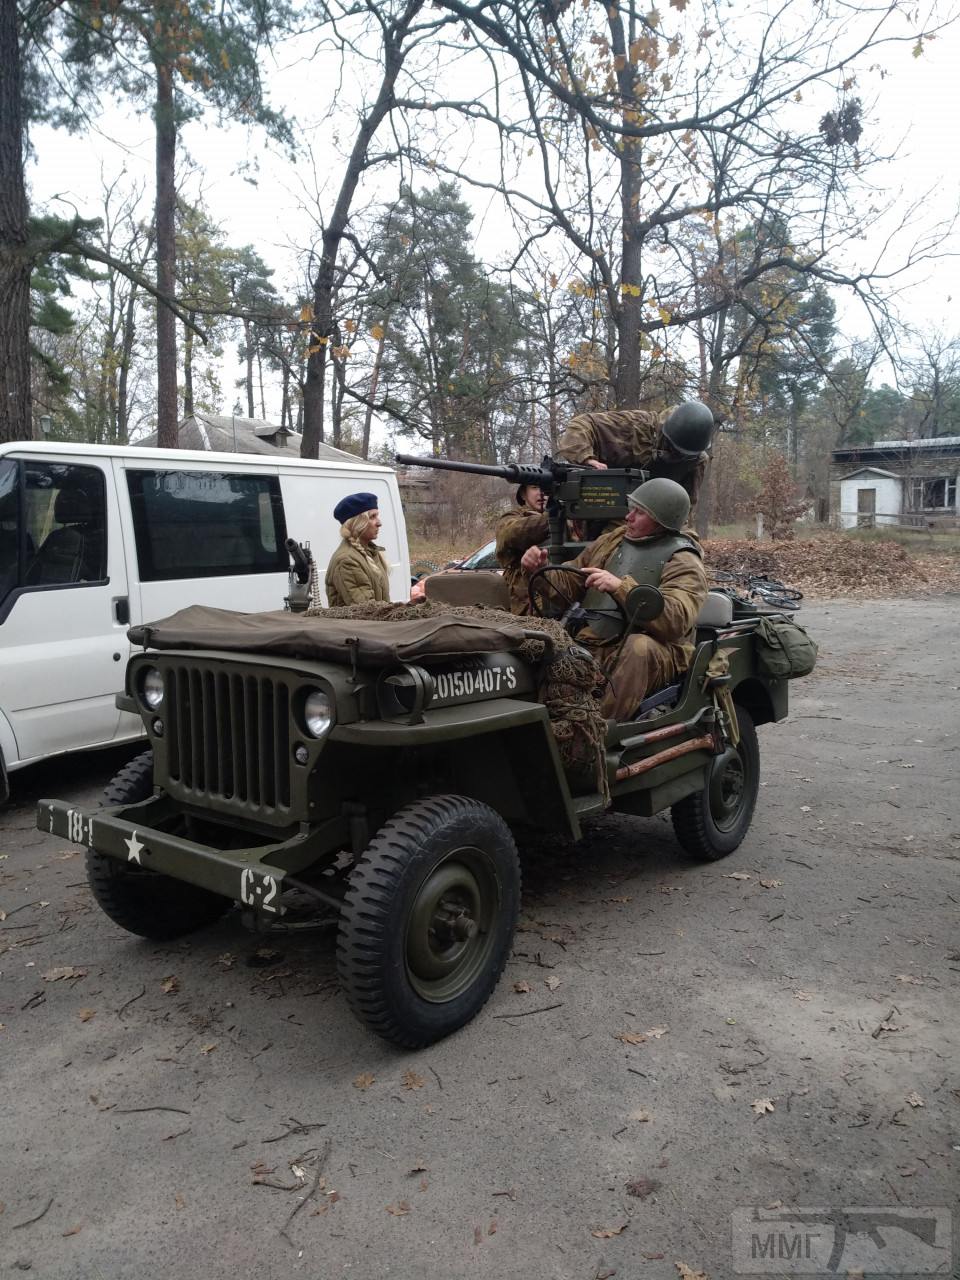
(141, 901)
(713, 821)
(428, 919)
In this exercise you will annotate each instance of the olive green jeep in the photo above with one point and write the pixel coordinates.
(384, 769)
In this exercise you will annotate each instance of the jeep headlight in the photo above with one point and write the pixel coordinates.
(317, 714)
(152, 688)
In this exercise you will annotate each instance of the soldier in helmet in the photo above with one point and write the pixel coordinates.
(672, 445)
(524, 526)
(652, 548)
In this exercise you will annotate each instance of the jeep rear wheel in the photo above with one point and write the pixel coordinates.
(141, 901)
(428, 919)
(713, 822)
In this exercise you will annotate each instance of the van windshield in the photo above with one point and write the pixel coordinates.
(9, 527)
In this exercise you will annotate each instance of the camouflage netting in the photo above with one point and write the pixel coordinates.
(569, 682)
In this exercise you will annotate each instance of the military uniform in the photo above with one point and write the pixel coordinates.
(654, 657)
(357, 574)
(629, 438)
(516, 530)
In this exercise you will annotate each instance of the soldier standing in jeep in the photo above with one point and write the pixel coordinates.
(652, 549)
(672, 445)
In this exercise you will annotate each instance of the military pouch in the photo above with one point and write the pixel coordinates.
(784, 650)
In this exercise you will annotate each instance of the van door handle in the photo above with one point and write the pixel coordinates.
(121, 609)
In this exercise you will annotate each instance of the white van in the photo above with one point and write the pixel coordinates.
(94, 538)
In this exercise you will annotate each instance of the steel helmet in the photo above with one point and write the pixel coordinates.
(664, 500)
(689, 428)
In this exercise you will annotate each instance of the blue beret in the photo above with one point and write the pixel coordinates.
(353, 505)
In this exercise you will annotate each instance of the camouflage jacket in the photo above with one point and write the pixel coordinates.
(518, 529)
(629, 438)
(357, 574)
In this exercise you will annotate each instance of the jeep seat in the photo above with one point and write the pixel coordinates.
(716, 611)
(476, 587)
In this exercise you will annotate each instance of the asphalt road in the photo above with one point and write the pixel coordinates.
(199, 1110)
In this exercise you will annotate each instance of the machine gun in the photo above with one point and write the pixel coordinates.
(573, 492)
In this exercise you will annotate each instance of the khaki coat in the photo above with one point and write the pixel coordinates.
(357, 574)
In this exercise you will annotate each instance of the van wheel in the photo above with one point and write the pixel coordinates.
(428, 919)
(141, 901)
(713, 822)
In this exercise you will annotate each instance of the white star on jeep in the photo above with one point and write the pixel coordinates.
(135, 848)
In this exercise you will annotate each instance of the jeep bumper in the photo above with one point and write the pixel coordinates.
(254, 877)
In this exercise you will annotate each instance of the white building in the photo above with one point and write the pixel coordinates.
(891, 482)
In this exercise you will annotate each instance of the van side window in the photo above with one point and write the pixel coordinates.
(63, 540)
(206, 524)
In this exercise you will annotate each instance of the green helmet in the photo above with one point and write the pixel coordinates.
(689, 428)
(665, 500)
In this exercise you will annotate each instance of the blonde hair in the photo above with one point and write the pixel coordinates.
(352, 530)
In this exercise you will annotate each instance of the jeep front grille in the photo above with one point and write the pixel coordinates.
(228, 735)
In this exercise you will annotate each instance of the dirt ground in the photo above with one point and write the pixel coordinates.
(202, 1110)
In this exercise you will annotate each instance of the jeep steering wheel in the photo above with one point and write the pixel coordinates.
(573, 611)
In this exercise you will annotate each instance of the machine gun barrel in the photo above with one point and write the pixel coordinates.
(515, 472)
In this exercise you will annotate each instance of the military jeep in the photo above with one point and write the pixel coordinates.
(382, 770)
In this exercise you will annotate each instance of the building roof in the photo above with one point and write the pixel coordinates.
(900, 450)
(877, 471)
(229, 433)
(928, 442)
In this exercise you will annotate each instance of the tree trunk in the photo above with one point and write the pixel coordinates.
(187, 371)
(374, 380)
(126, 355)
(15, 264)
(324, 287)
(263, 404)
(248, 347)
(167, 434)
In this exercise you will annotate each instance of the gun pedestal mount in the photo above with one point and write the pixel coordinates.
(573, 492)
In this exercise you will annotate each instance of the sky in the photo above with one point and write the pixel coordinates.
(915, 116)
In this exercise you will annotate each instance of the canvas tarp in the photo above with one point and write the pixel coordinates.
(327, 639)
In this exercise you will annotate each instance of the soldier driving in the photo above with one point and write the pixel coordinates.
(524, 526)
(672, 445)
(652, 548)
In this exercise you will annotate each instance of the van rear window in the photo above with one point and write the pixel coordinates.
(206, 524)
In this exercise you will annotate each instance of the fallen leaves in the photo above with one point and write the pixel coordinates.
(762, 1105)
(641, 1037)
(63, 973)
(640, 1116)
(522, 988)
(915, 1099)
(206, 1049)
(835, 564)
(911, 978)
(642, 1187)
(770, 884)
(364, 1080)
(86, 1014)
(170, 985)
(400, 1209)
(411, 1080)
(688, 1273)
(552, 983)
(803, 996)
(737, 875)
(72, 1231)
(607, 1233)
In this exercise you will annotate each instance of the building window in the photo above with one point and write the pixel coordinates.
(936, 494)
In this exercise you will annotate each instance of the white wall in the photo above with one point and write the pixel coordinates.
(889, 500)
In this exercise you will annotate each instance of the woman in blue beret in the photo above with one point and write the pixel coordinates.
(358, 570)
